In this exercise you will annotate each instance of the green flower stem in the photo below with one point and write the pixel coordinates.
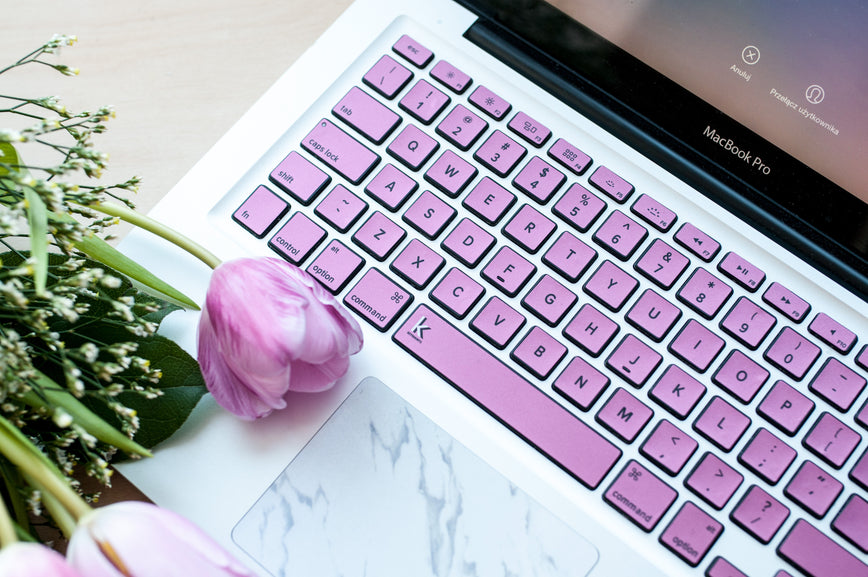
(7, 527)
(33, 463)
(61, 517)
(51, 396)
(144, 222)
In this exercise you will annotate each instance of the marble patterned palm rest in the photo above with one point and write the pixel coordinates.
(381, 490)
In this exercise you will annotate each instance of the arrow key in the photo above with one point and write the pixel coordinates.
(669, 447)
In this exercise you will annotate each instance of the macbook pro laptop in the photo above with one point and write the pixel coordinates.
(609, 258)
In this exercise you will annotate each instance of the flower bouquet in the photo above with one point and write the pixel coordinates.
(86, 378)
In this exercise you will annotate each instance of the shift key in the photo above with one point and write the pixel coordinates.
(340, 151)
(507, 396)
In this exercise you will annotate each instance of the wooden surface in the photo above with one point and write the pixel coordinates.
(179, 73)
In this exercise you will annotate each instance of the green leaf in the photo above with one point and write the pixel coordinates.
(37, 217)
(8, 156)
(100, 250)
(182, 384)
(52, 396)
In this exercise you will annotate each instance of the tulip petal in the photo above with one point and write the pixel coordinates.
(31, 560)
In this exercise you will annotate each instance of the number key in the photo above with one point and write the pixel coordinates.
(620, 235)
(461, 127)
(704, 293)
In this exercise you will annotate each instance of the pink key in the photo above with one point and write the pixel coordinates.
(862, 415)
(748, 323)
(529, 228)
(377, 299)
(832, 440)
(570, 156)
(538, 352)
(640, 496)
(860, 471)
(697, 242)
(412, 147)
(579, 207)
(654, 213)
(677, 391)
(489, 201)
(816, 555)
(529, 412)
(862, 358)
(722, 424)
(549, 300)
(611, 184)
(335, 266)
(260, 211)
(569, 256)
(767, 456)
(704, 293)
(424, 102)
(720, 567)
(581, 384)
(740, 376)
(391, 187)
(714, 481)
(653, 315)
(633, 360)
(838, 384)
(620, 235)
(468, 242)
(490, 103)
(461, 127)
(786, 408)
(299, 177)
(367, 115)
(691, 534)
(786, 302)
(297, 238)
(591, 330)
(451, 77)
(497, 322)
(339, 151)
(457, 293)
(813, 489)
(508, 271)
(611, 286)
(792, 353)
(379, 235)
(833, 333)
(760, 514)
(852, 522)
(429, 214)
(696, 345)
(500, 153)
(341, 208)
(387, 77)
(539, 180)
(662, 264)
(529, 129)
(741, 271)
(624, 415)
(417, 264)
(450, 173)
(669, 447)
(410, 49)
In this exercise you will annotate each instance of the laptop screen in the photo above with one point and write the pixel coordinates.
(765, 98)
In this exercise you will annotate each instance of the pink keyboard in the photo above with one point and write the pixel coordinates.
(462, 227)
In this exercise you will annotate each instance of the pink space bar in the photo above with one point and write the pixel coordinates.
(510, 398)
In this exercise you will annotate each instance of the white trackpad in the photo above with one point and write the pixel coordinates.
(382, 490)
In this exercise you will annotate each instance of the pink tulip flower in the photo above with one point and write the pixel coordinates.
(137, 539)
(268, 328)
(33, 560)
